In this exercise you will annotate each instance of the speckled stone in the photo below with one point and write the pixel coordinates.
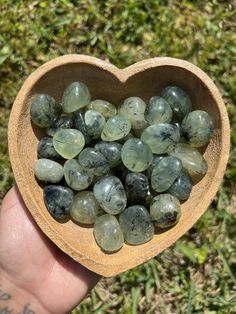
(107, 233)
(182, 139)
(76, 176)
(161, 137)
(136, 225)
(158, 111)
(68, 142)
(94, 161)
(79, 124)
(136, 155)
(47, 170)
(84, 208)
(137, 188)
(64, 122)
(95, 122)
(116, 128)
(110, 194)
(75, 96)
(44, 111)
(197, 128)
(182, 186)
(165, 210)
(46, 149)
(58, 200)
(104, 107)
(165, 173)
(156, 159)
(111, 151)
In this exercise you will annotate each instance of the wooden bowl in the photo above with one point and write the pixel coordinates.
(105, 81)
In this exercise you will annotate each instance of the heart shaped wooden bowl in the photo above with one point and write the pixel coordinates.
(105, 81)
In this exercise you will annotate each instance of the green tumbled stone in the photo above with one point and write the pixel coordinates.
(46, 149)
(158, 111)
(137, 188)
(107, 233)
(116, 128)
(65, 122)
(178, 100)
(161, 137)
(79, 124)
(191, 159)
(44, 110)
(136, 155)
(47, 170)
(85, 208)
(133, 108)
(182, 186)
(95, 122)
(75, 96)
(68, 142)
(165, 173)
(76, 176)
(197, 128)
(94, 161)
(156, 159)
(182, 139)
(165, 210)
(111, 151)
(110, 194)
(136, 225)
(104, 107)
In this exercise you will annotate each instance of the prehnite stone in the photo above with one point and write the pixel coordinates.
(182, 186)
(58, 200)
(47, 170)
(68, 142)
(197, 128)
(137, 188)
(182, 139)
(116, 128)
(79, 124)
(191, 159)
(165, 210)
(136, 155)
(104, 107)
(44, 110)
(107, 233)
(165, 173)
(133, 108)
(156, 159)
(75, 96)
(136, 225)
(46, 149)
(95, 122)
(110, 194)
(65, 122)
(111, 151)
(76, 176)
(161, 138)
(178, 100)
(84, 208)
(94, 161)
(158, 111)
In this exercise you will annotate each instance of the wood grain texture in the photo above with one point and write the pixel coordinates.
(105, 81)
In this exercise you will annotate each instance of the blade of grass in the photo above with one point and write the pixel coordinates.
(190, 298)
(135, 292)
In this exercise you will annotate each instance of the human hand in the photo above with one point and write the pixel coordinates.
(35, 276)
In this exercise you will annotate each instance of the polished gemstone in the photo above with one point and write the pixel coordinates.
(182, 186)
(156, 159)
(158, 111)
(58, 200)
(94, 161)
(137, 188)
(136, 155)
(111, 151)
(110, 194)
(76, 176)
(75, 96)
(46, 149)
(136, 225)
(108, 234)
(47, 170)
(79, 124)
(116, 128)
(95, 122)
(165, 210)
(84, 208)
(44, 110)
(68, 142)
(104, 107)
(161, 137)
(64, 122)
(182, 139)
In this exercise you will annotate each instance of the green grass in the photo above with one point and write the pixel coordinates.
(196, 275)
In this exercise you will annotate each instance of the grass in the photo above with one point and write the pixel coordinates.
(196, 275)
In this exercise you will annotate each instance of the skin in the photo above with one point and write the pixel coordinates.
(36, 276)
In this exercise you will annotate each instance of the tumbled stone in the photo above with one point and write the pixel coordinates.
(46, 149)
(182, 139)
(110, 194)
(107, 233)
(136, 155)
(165, 210)
(161, 137)
(44, 110)
(116, 128)
(158, 111)
(47, 170)
(165, 173)
(136, 224)
(111, 151)
(182, 186)
(79, 124)
(95, 122)
(197, 128)
(94, 161)
(65, 122)
(58, 200)
(75, 96)
(84, 208)
(137, 188)
(76, 176)
(156, 159)
(104, 107)
(68, 142)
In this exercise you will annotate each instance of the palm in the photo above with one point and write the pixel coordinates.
(35, 264)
